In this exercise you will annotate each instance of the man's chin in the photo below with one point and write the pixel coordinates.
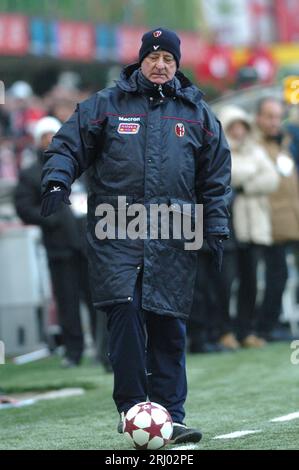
(159, 80)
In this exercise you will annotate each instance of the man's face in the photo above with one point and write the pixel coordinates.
(159, 67)
(269, 119)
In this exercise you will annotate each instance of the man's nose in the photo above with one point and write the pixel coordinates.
(160, 64)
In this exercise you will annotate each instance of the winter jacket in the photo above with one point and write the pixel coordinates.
(152, 149)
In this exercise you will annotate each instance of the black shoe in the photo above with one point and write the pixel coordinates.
(120, 426)
(181, 434)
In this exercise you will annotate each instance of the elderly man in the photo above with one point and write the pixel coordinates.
(152, 139)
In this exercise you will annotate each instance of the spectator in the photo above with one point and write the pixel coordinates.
(253, 177)
(284, 213)
(63, 239)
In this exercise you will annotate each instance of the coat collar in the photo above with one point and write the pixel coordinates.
(186, 90)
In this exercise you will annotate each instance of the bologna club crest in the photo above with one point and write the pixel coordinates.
(180, 129)
(157, 33)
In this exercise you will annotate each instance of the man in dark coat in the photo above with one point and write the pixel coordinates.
(65, 246)
(152, 139)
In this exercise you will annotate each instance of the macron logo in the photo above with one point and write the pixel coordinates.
(128, 119)
(156, 47)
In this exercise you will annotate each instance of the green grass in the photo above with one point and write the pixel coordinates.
(228, 392)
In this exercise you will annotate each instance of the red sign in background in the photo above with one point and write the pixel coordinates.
(14, 37)
(215, 64)
(287, 19)
(262, 60)
(128, 43)
(76, 40)
(192, 46)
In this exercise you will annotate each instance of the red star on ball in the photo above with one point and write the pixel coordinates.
(154, 429)
(130, 426)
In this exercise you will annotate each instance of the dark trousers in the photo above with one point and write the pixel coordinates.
(248, 256)
(221, 286)
(70, 284)
(147, 353)
(210, 316)
(200, 321)
(276, 275)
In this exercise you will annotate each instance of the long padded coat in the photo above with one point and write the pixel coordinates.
(156, 164)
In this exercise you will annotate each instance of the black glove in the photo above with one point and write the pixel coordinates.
(53, 197)
(215, 243)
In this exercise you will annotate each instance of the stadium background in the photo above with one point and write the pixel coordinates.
(40, 41)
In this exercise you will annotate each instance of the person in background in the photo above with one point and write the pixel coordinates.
(254, 177)
(291, 128)
(63, 235)
(284, 204)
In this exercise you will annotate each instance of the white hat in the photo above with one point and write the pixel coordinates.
(20, 90)
(43, 126)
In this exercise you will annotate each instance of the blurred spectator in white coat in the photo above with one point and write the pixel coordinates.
(284, 214)
(254, 177)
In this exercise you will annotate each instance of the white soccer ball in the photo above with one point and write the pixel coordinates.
(148, 425)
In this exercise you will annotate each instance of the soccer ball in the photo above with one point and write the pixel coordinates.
(148, 425)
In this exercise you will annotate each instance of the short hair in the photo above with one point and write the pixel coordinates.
(264, 100)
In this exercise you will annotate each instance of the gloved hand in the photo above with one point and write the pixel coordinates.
(215, 243)
(53, 197)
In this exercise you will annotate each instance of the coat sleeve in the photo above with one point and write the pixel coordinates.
(73, 148)
(213, 178)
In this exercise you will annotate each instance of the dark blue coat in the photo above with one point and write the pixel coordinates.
(153, 165)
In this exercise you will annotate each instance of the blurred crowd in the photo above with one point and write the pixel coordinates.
(242, 305)
(21, 112)
(264, 236)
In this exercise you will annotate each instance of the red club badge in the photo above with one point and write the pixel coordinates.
(157, 33)
(180, 129)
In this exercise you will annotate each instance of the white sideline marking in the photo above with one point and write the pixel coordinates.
(286, 417)
(63, 393)
(33, 356)
(187, 447)
(18, 404)
(235, 434)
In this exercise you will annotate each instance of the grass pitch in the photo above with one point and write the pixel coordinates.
(227, 393)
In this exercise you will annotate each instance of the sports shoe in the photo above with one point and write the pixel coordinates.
(120, 426)
(253, 341)
(229, 341)
(182, 434)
